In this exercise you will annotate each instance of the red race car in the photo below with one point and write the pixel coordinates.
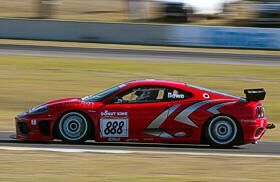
(154, 111)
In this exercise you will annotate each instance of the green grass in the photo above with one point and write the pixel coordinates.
(27, 81)
(47, 166)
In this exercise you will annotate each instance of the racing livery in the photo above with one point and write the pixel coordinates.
(154, 111)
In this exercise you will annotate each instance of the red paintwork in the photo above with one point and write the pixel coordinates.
(141, 115)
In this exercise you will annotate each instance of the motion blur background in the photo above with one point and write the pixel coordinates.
(210, 12)
(52, 49)
(242, 32)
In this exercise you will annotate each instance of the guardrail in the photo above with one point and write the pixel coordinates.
(149, 34)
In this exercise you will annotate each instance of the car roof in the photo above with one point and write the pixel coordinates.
(178, 85)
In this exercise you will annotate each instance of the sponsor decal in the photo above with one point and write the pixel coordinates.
(91, 111)
(241, 38)
(175, 96)
(114, 124)
(108, 113)
(132, 140)
(114, 139)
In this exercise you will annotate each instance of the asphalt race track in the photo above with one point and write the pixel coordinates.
(261, 149)
(143, 55)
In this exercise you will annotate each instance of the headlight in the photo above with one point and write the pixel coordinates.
(38, 110)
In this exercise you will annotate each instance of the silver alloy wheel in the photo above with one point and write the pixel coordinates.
(222, 130)
(73, 126)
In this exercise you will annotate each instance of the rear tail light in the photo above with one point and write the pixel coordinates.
(259, 112)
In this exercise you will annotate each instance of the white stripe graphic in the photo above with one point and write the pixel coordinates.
(183, 116)
(215, 109)
(156, 123)
(154, 127)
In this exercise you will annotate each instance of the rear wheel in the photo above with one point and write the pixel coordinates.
(222, 131)
(74, 127)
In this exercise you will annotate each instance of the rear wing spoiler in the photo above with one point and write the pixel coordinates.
(255, 94)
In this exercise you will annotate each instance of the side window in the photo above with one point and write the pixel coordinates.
(143, 95)
(176, 94)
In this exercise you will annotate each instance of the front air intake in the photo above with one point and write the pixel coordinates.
(23, 128)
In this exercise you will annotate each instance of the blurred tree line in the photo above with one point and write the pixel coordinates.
(46, 8)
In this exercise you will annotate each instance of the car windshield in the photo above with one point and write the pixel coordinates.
(102, 95)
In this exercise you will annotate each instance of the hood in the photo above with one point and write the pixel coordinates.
(43, 108)
(64, 101)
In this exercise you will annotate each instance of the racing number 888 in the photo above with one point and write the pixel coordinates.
(114, 127)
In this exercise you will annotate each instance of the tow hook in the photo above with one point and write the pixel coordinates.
(270, 126)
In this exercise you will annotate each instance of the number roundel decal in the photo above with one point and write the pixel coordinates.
(114, 127)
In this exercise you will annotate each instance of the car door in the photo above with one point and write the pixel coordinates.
(133, 112)
(182, 100)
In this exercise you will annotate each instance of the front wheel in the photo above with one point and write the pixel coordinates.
(222, 131)
(74, 128)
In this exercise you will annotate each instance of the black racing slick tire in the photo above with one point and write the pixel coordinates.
(222, 131)
(74, 128)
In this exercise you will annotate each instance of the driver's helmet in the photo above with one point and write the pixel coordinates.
(148, 95)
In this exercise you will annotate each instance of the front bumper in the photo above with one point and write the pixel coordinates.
(35, 129)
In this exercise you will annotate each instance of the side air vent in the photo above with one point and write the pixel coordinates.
(44, 127)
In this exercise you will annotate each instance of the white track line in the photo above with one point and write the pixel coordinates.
(63, 150)
(135, 152)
